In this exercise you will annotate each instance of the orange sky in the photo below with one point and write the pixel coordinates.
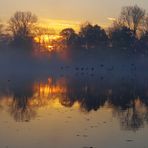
(59, 14)
(58, 25)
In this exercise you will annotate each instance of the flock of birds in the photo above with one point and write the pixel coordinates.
(92, 70)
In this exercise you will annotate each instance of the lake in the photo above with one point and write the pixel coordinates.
(86, 109)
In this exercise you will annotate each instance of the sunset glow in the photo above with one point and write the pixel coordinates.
(59, 25)
(45, 40)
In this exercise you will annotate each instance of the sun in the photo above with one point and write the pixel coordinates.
(46, 40)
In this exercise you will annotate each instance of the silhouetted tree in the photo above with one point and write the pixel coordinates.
(143, 43)
(1, 32)
(92, 35)
(144, 38)
(122, 37)
(144, 27)
(1, 28)
(4, 36)
(21, 25)
(132, 16)
(70, 37)
(115, 26)
(146, 23)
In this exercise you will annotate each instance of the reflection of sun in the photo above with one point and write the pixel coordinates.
(51, 95)
(46, 95)
(46, 90)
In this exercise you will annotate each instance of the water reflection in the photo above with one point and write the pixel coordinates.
(126, 99)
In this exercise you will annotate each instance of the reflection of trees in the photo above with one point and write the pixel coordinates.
(132, 112)
(134, 117)
(123, 96)
(89, 94)
(92, 95)
(20, 109)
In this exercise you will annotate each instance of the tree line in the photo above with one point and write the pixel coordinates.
(128, 32)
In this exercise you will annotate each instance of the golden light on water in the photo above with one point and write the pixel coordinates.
(47, 94)
(54, 95)
(6, 101)
(46, 90)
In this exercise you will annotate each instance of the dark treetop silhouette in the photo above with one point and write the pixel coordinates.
(129, 32)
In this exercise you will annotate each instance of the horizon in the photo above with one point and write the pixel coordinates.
(79, 13)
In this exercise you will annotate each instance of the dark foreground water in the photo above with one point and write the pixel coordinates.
(84, 110)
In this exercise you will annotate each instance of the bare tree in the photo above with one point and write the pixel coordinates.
(144, 35)
(1, 28)
(132, 16)
(145, 27)
(1, 33)
(21, 25)
(117, 24)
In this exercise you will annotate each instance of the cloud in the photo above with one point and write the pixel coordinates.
(58, 25)
(111, 18)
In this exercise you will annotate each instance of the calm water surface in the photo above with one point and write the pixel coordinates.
(80, 111)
